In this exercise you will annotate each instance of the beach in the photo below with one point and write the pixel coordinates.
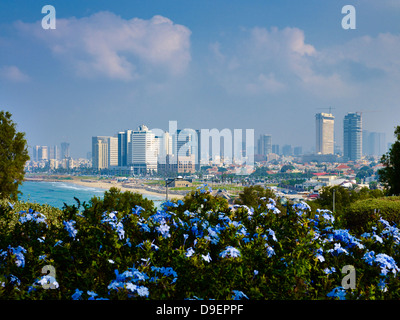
(135, 186)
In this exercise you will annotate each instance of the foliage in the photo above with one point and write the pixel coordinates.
(389, 175)
(366, 213)
(343, 197)
(13, 156)
(199, 248)
(254, 196)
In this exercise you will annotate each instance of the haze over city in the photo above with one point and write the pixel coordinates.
(268, 66)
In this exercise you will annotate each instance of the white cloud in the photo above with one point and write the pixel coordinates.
(381, 52)
(278, 61)
(105, 44)
(270, 62)
(13, 74)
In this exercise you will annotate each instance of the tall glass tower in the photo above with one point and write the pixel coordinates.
(352, 136)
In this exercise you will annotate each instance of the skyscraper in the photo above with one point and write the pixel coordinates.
(65, 150)
(373, 143)
(143, 150)
(100, 152)
(124, 139)
(352, 136)
(112, 151)
(265, 144)
(325, 133)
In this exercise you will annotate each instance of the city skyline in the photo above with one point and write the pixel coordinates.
(119, 146)
(267, 66)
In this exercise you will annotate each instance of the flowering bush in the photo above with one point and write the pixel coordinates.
(198, 248)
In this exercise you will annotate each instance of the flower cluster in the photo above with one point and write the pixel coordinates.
(197, 248)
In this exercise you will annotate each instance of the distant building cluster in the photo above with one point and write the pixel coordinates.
(142, 151)
(356, 142)
(53, 157)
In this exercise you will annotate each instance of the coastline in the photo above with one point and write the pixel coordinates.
(106, 185)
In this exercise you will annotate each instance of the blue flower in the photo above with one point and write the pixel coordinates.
(48, 280)
(206, 257)
(386, 263)
(338, 250)
(369, 257)
(142, 291)
(137, 210)
(272, 234)
(344, 236)
(300, 207)
(271, 205)
(143, 226)
(130, 286)
(92, 295)
(69, 226)
(319, 255)
(19, 255)
(112, 220)
(163, 229)
(77, 295)
(189, 252)
(231, 252)
(238, 295)
(382, 285)
(329, 271)
(270, 251)
(338, 292)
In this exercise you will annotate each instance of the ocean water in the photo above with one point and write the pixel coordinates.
(56, 193)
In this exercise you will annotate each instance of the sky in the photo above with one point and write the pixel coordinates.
(270, 66)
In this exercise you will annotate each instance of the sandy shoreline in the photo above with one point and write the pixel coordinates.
(106, 185)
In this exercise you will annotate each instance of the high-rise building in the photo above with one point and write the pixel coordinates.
(373, 143)
(325, 137)
(298, 151)
(65, 153)
(275, 148)
(183, 142)
(287, 150)
(35, 153)
(40, 153)
(124, 139)
(143, 150)
(100, 152)
(264, 144)
(53, 154)
(112, 151)
(44, 153)
(352, 136)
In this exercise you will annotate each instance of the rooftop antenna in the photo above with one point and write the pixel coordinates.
(330, 109)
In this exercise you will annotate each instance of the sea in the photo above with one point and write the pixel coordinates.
(58, 193)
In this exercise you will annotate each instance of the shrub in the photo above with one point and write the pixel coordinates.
(361, 214)
(207, 252)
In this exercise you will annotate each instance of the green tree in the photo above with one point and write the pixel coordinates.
(389, 175)
(251, 196)
(13, 156)
(115, 199)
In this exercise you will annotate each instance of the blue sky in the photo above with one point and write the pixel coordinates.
(263, 65)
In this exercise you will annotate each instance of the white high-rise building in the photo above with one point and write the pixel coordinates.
(100, 152)
(143, 150)
(112, 151)
(325, 134)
